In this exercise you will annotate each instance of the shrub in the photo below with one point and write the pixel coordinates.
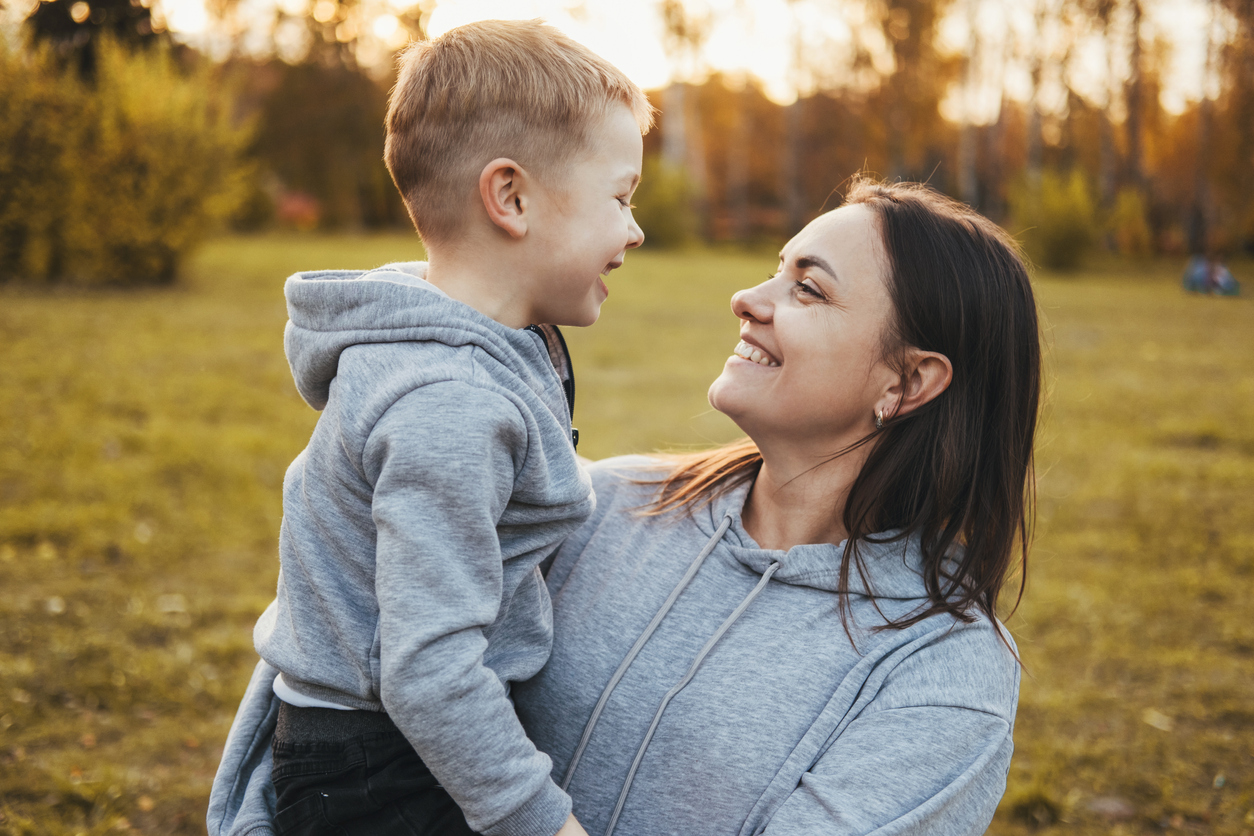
(1128, 225)
(1058, 218)
(39, 130)
(112, 183)
(664, 205)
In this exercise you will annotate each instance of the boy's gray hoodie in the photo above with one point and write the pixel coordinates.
(441, 471)
(703, 686)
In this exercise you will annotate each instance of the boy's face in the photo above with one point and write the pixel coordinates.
(586, 226)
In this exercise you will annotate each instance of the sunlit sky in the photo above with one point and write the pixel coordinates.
(762, 37)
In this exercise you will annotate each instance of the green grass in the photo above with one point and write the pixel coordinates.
(144, 435)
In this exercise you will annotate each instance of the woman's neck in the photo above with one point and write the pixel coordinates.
(796, 501)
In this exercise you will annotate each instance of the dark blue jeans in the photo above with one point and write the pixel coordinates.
(332, 782)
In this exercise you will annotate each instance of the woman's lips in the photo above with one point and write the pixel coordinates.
(754, 354)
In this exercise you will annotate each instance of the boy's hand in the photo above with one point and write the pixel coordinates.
(572, 827)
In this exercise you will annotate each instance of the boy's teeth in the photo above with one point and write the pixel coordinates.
(754, 355)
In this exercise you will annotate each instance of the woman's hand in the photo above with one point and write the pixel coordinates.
(572, 827)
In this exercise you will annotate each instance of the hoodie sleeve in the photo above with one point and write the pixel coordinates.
(929, 754)
(442, 462)
(242, 800)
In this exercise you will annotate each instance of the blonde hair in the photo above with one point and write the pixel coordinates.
(516, 89)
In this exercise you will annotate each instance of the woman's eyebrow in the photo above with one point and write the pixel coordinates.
(805, 261)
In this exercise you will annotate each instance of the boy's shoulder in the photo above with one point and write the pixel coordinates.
(371, 335)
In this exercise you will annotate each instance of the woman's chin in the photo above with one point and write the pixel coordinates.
(727, 397)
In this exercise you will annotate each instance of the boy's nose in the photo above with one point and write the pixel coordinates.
(635, 235)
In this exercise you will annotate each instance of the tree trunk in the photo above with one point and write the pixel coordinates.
(674, 126)
(738, 168)
(1036, 150)
(790, 175)
(968, 182)
(1198, 216)
(1133, 125)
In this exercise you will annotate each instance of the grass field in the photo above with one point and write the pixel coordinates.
(144, 435)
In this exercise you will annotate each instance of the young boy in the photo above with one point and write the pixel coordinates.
(443, 469)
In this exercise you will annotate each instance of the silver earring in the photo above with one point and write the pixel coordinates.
(879, 419)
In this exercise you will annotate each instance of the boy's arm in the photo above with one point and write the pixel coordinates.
(442, 462)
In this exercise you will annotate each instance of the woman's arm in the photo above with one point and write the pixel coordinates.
(929, 755)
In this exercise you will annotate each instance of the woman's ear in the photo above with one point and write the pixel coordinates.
(501, 190)
(927, 374)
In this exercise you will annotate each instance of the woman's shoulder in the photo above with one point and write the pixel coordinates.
(946, 661)
(631, 479)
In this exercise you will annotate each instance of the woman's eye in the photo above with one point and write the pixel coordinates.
(805, 288)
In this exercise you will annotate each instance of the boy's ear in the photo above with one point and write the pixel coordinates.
(501, 189)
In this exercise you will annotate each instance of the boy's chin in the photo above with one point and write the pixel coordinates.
(578, 318)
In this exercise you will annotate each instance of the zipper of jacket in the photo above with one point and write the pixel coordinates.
(567, 381)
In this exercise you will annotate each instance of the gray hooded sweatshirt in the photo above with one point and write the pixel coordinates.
(701, 685)
(441, 471)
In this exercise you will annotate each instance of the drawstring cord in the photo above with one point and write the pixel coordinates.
(692, 671)
(640, 642)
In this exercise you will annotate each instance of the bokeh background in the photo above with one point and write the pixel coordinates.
(164, 164)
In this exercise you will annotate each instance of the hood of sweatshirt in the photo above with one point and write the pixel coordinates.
(331, 310)
(894, 569)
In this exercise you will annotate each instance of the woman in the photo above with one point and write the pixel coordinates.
(796, 633)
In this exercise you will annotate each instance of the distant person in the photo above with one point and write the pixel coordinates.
(1208, 274)
(443, 468)
(1197, 274)
(795, 633)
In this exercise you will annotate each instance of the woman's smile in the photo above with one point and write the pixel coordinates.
(754, 354)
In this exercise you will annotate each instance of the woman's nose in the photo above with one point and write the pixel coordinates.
(753, 304)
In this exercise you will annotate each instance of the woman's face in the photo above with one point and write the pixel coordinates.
(809, 366)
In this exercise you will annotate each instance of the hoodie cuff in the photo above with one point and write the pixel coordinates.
(541, 815)
(254, 829)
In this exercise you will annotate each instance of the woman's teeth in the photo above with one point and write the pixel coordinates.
(753, 355)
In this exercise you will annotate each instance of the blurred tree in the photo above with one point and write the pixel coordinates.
(1200, 208)
(73, 28)
(910, 94)
(1100, 13)
(1134, 97)
(683, 146)
(116, 183)
(1234, 120)
(664, 205)
(968, 181)
(792, 187)
(320, 132)
(738, 154)
(1058, 218)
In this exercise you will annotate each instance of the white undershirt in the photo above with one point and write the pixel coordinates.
(284, 692)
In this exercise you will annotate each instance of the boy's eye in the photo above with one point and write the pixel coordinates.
(627, 202)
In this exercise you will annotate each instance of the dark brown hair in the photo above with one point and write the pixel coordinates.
(957, 471)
